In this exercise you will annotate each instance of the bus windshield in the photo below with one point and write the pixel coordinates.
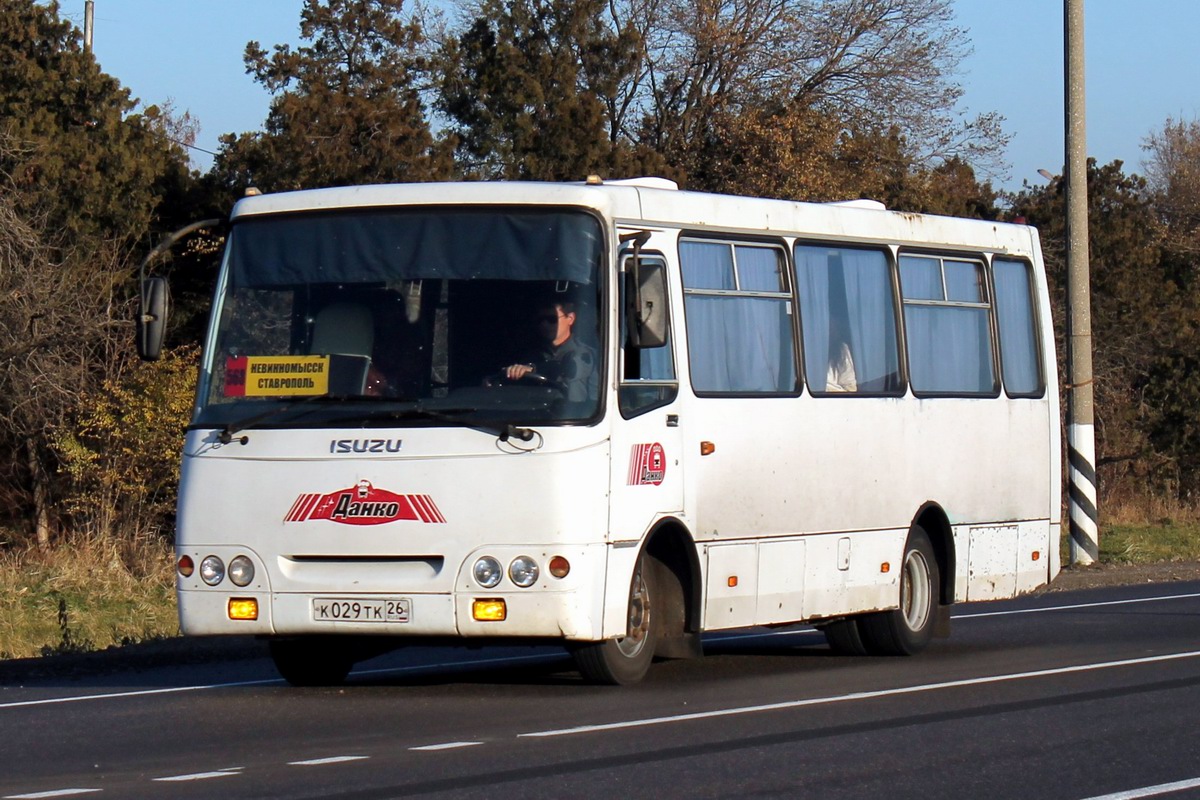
(408, 317)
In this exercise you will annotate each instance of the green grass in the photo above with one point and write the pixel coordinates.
(85, 596)
(1147, 544)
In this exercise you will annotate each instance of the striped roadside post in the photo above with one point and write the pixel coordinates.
(1081, 441)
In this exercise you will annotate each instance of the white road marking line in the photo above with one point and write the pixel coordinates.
(202, 776)
(1150, 791)
(138, 693)
(269, 681)
(446, 746)
(51, 793)
(816, 701)
(532, 658)
(1078, 606)
(317, 762)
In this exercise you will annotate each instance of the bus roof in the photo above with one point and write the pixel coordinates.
(655, 202)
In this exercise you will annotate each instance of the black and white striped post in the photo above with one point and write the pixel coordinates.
(1081, 440)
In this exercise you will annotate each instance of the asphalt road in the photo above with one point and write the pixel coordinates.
(1069, 695)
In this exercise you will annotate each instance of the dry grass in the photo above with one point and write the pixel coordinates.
(87, 594)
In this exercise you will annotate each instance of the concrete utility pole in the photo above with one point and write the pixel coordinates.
(1081, 439)
(89, 13)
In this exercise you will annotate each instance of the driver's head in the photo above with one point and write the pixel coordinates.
(555, 320)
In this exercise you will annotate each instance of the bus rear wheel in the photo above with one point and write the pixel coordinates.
(626, 660)
(908, 629)
(310, 662)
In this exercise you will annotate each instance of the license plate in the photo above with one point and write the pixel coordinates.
(343, 609)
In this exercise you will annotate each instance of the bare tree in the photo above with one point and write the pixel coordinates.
(875, 65)
(1173, 177)
(59, 325)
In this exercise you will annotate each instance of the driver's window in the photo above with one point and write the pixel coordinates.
(648, 374)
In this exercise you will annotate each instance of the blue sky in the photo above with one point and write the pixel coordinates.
(1142, 66)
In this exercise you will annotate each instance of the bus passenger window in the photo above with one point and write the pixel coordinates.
(849, 321)
(1019, 362)
(739, 318)
(946, 324)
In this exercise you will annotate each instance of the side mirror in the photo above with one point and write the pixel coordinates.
(153, 309)
(647, 315)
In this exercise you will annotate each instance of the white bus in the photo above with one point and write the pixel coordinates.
(612, 415)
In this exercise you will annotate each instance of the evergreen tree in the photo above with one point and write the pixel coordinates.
(75, 153)
(532, 88)
(347, 107)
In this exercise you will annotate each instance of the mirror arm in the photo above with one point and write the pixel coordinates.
(166, 244)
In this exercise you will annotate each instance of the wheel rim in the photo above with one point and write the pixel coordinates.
(639, 618)
(915, 591)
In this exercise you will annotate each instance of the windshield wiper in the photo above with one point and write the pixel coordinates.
(452, 416)
(226, 434)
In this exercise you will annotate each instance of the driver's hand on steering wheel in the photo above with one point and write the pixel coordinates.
(517, 371)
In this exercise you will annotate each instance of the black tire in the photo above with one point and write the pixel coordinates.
(625, 660)
(310, 662)
(908, 629)
(844, 637)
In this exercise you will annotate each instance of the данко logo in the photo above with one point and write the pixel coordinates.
(647, 465)
(364, 505)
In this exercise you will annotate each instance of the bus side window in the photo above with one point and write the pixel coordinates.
(946, 320)
(738, 310)
(1020, 363)
(848, 315)
(648, 378)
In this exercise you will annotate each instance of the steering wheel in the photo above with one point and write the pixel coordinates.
(528, 379)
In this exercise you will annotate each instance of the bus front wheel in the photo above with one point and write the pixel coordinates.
(626, 660)
(908, 629)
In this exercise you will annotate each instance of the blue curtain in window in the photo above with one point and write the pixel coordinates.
(949, 349)
(855, 307)
(736, 344)
(1014, 314)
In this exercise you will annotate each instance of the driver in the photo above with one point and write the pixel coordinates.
(565, 362)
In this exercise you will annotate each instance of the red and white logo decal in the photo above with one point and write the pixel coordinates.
(364, 505)
(647, 465)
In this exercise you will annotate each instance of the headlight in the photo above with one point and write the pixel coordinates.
(488, 572)
(523, 571)
(212, 570)
(241, 571)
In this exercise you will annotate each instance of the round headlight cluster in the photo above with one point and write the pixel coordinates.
(523, 571)
(213, 570)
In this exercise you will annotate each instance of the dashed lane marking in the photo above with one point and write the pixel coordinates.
(446, 746)
(51, 793)
(202, 776)
(319, 762)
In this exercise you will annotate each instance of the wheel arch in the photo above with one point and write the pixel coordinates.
(670, 542)
(933, 520)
